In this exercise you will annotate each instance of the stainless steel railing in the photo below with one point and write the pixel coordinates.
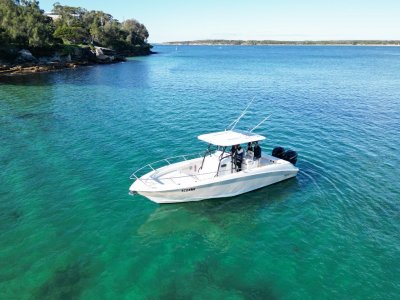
(166, 161)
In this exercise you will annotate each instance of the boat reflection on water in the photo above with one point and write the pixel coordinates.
(217, 221)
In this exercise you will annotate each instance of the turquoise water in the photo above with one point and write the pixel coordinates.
(69, 141)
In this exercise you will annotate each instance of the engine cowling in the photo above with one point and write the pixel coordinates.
(290, 156)
(278, 152)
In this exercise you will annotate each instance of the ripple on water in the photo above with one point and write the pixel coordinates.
(69, 141)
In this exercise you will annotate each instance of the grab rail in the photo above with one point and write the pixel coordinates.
(184, 157)
(167, 160)
(185, 176)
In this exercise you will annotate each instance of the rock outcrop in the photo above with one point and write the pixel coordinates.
(104, 55)
(26, 62)
(25, 56)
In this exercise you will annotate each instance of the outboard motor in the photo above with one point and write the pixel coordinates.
(278, 152)
(290, 156)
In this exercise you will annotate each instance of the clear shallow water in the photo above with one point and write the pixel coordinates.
(69, 141)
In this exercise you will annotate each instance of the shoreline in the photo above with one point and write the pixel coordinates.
(226, 42)
(275, 44)
(25, 69)
(15, 69)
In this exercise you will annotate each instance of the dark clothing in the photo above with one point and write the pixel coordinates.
(233, 150)
(239, 153)
(238, 165)
(257, 151)
(239, 158)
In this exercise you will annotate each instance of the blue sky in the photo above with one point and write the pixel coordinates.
(177, 20)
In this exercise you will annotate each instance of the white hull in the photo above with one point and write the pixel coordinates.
(224, 185)
(216, 190)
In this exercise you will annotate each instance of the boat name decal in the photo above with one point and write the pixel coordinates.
(188, 190)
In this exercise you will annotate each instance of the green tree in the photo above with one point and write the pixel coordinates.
(39, 28)
(136, 32)
(71, 34)
(23, 24)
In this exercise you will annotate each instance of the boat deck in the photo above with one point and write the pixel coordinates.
(190, 174)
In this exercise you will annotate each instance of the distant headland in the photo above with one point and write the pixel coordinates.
(32, 40)
(288, 43)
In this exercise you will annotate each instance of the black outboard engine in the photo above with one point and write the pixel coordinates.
(290, 156)
(278, 152)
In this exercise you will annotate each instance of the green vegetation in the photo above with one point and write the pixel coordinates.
(76, 25)
(23, 25)
(271, 42)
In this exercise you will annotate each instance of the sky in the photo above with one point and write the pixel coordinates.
(179, 20)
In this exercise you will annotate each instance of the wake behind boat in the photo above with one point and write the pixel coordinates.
(217, 173)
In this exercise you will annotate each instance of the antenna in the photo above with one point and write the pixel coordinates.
(265, 119)
(234, 123)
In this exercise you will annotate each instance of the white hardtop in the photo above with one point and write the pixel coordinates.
(230, 137)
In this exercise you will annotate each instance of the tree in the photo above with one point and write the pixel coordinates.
(95, 22)
(39, 28)
(137, 32)
(71, 34)
(24, 24)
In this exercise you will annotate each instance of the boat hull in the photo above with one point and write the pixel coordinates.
(227, 186)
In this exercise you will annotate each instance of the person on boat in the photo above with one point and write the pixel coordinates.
(257, 151)
(250, 150)
(238, 157)
(233, 150)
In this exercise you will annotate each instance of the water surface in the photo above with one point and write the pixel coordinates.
(69, 141)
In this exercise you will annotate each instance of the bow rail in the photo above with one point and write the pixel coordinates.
(166, 161)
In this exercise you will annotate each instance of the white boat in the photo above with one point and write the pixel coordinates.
(214, 174)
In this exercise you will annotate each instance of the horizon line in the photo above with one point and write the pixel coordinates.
(234, 42)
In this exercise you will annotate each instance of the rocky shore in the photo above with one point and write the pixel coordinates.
(25, 62)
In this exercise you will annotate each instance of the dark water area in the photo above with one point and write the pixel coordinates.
(69, 141)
